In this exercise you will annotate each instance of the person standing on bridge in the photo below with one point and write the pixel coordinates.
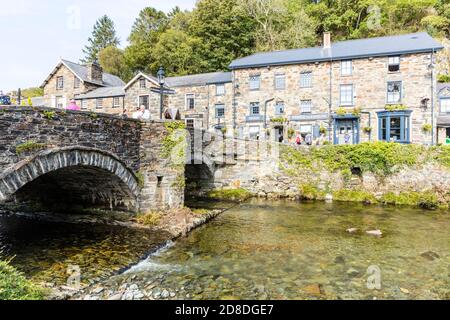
(73, 106)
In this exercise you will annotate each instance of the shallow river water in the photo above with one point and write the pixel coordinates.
(258, 250)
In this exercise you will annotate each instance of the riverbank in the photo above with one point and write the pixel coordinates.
(377, 173)
(15, 286)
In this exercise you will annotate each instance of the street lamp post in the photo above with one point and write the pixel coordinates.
(161, 80)
(265, 111)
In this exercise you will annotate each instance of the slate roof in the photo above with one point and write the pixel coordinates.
(199, 79)
(103, 92)
(352, 49)
(81, 71)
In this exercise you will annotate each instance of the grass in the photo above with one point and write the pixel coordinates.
(29, 146)
(150, 219)
(14, 285)
(346, 195)
(200, 211)
(311, 192)
(425, 200)
(230, 194)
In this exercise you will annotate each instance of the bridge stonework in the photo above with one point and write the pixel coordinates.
(84, 157)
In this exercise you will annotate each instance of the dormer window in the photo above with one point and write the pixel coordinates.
(60, 83)
(394, 64)
(142, 83)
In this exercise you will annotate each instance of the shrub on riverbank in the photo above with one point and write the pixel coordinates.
(346, 195)
(150, 219)
(230, 194)
(14, 286)
(380, 158)
(425, 200)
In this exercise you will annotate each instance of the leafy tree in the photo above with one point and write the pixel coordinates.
(146, 31)
(32, 92)
(103, 35)
(112, 60)
(282, 24)
(225, 30)
(178, 52)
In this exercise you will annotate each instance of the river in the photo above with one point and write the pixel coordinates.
(257, 250)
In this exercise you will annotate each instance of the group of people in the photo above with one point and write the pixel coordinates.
(307, 140)
(142, 114)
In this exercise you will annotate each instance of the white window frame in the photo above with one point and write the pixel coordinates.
(147, 107)
(280, 81)
(444, 108)
(59, 99)
(306, 79)
(99, 103)
(346, 68)
(114, 102)
(190, 120)
(60, 83)
(217, 107)
(394, 61)
(254, 82)
(344, 94)
(306, 106)
(84, 104)
(187, 98)
(254, 131)
(254, 105)
(280, 105)
(390, 96)
(222, 91)
(142, 83)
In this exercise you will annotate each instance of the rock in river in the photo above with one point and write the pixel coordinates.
(376, 233)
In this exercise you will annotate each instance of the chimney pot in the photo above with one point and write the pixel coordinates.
(327, 40)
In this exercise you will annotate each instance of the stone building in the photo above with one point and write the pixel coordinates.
(99, 91)
(344, 92)
(203, 100)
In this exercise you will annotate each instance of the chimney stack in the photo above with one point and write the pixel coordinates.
(95, 72)
(327, 40)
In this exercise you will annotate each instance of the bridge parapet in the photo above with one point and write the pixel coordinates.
(26, 132)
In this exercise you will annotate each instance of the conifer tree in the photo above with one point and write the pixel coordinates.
(103, 36)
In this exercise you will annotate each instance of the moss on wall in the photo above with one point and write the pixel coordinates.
(380, 158)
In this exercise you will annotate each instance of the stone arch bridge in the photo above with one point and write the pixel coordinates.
(49, 156)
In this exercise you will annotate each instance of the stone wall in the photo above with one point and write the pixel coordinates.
(258, 167)
(138, 145)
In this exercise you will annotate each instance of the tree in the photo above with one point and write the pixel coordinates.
(103, 35)
(32, 92)
(145, 33)
(178, 53)
(112, 61)
(225, 30)
(282, 24)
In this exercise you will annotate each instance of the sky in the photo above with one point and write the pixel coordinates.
(35, 34)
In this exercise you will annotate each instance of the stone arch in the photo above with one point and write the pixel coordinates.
(69, 162)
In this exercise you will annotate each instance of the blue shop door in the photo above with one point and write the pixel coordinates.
(346, 131)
